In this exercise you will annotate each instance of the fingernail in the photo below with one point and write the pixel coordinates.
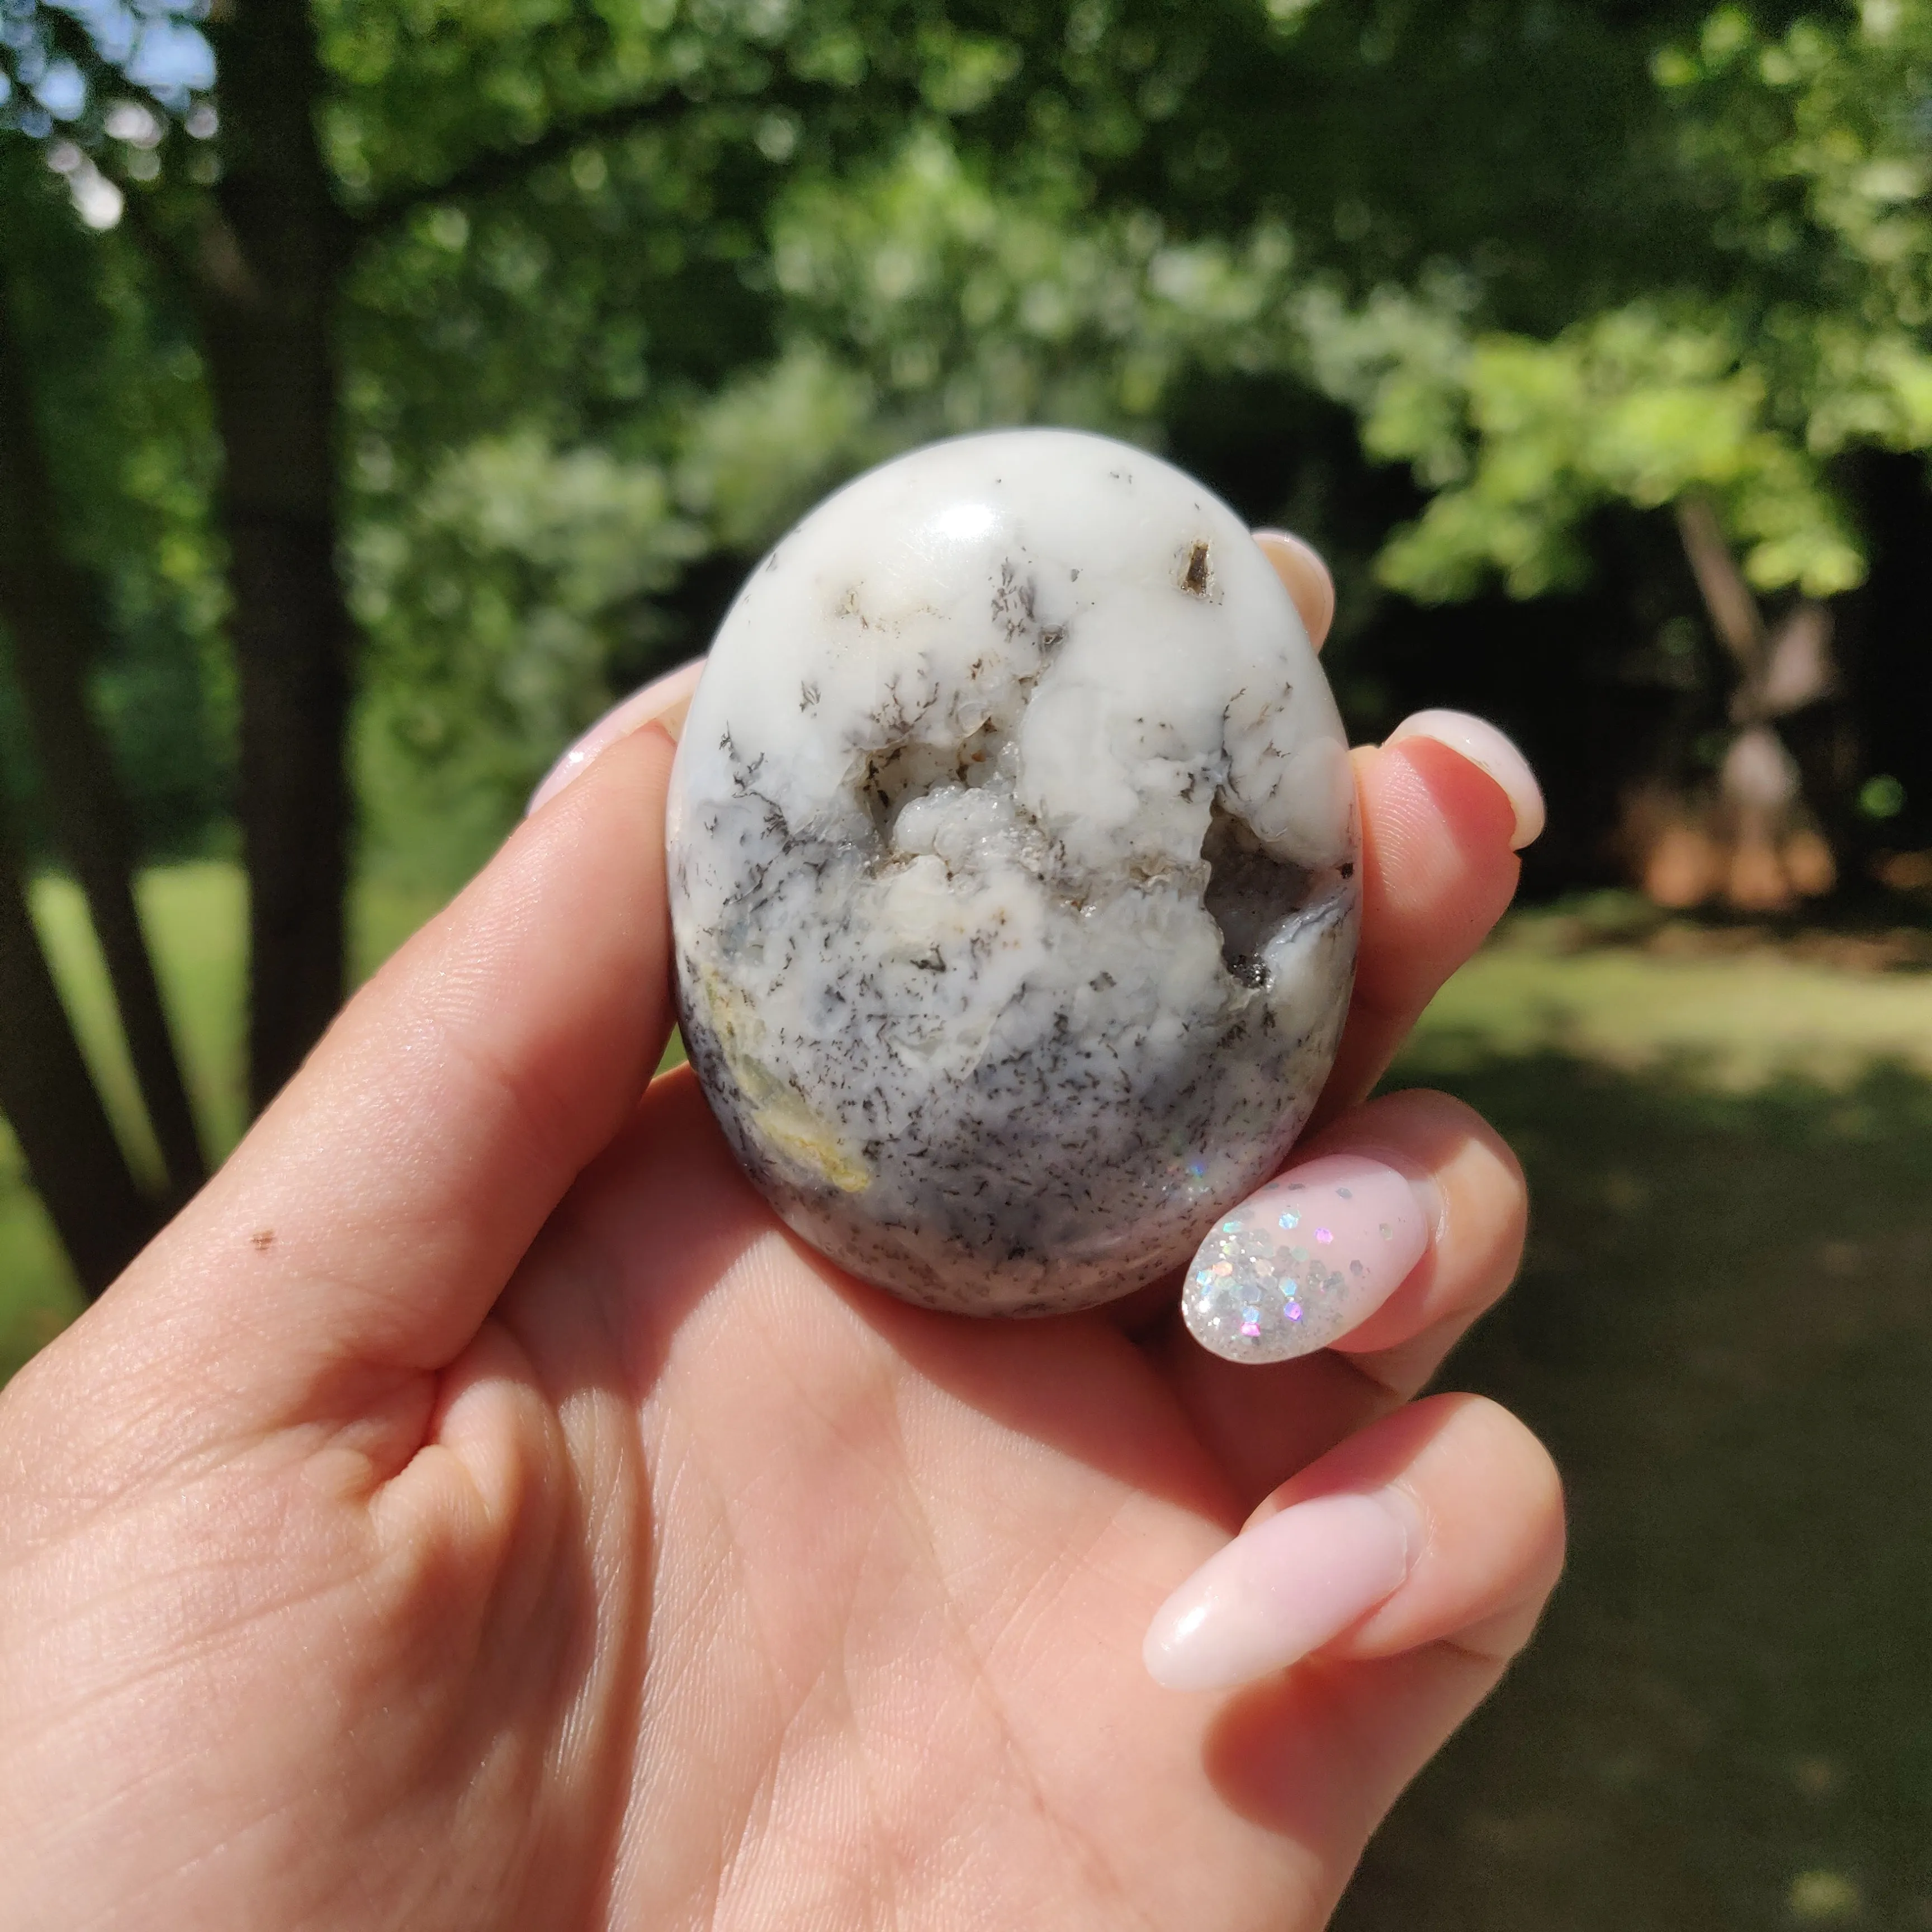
(1307, 1258)
(1282, 1589)
(664, 701)
(1300, 566)
(1479, 741)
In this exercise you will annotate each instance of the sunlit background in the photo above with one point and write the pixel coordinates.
(385, 388)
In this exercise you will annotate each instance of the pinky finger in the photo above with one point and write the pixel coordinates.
(1317, 1753)
(1441, 1524)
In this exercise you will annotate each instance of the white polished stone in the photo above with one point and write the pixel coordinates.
(1012, 854)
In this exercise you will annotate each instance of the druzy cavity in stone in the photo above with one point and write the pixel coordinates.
(1012, 851)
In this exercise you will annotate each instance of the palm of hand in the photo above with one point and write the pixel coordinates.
(889, 1571)
(906, 1564)
(698, 1585)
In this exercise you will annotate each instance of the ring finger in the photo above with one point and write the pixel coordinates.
(1408, 1215)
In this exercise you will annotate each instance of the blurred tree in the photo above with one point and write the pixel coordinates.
(93, 528)
(54, 616)
(251, 231)
(72, 1158)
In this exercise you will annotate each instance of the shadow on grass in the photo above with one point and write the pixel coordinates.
(1723, 1330)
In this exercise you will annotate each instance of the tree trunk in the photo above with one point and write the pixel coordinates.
(1775, 855)
(51, 612)
(72, 1158)
(270, 258)
(1728, 601)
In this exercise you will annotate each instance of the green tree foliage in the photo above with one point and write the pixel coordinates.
(1538, 251)
(1812, 149)
(125, 418)
(632, 228)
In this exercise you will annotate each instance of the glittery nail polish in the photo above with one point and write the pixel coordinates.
(1305, 1260)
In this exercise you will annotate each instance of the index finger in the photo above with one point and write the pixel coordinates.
(369, 1221)
(1439, 834)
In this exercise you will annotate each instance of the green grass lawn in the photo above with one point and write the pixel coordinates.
(1724, 1330)
(1734, 1015)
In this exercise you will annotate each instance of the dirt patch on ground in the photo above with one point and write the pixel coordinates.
(1882, 937)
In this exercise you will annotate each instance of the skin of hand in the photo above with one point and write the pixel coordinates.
(475, 1510)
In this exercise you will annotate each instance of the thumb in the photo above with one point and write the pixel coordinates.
(375, 1213)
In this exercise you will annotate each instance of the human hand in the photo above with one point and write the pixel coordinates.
(475, 1510)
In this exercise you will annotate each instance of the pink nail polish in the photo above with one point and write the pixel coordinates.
(1283, 1589)
(664, 701)
(1305, 1260)
(1490, 750)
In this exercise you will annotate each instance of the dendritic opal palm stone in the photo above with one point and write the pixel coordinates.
(1012, 850)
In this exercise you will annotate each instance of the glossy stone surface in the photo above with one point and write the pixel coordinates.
(1012, 856)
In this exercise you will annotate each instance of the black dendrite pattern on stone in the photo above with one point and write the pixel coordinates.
(1059, 1152)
